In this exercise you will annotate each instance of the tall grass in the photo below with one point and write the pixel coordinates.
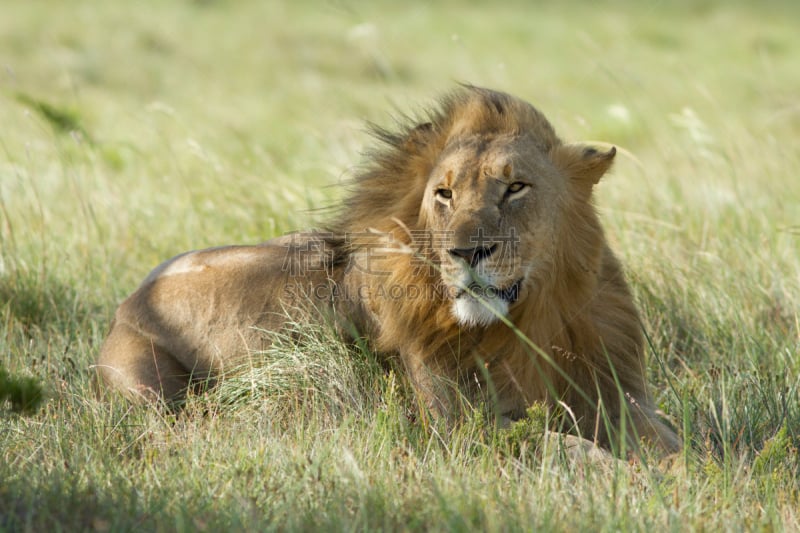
(131, 133)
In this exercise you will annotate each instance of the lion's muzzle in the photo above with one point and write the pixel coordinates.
(473, 256)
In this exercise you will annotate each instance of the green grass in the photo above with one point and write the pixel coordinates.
(132, 132)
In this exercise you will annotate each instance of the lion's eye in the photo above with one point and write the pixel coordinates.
(444, 193)
(516, 187)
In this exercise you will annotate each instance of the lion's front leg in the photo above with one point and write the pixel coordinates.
(437, 392)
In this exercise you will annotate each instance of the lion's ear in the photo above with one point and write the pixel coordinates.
(418, 137)
(584, 165)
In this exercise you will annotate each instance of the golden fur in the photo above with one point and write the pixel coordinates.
(468, 246)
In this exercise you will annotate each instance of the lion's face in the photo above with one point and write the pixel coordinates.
(491, 198)
(491, 207)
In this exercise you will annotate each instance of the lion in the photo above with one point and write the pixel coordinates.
(467, 247)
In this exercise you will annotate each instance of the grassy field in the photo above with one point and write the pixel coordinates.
(130, 132)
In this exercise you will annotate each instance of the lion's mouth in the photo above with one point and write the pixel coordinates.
(489, 292)
(510, 294)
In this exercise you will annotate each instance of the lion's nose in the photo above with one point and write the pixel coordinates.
(473, 256)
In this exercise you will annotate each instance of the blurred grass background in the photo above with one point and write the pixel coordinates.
(130, 132)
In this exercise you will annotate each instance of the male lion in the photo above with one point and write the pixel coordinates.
(468, 246)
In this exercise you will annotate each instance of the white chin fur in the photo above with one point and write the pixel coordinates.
(472, 312)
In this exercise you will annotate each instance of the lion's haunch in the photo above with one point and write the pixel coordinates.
(468, 246)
